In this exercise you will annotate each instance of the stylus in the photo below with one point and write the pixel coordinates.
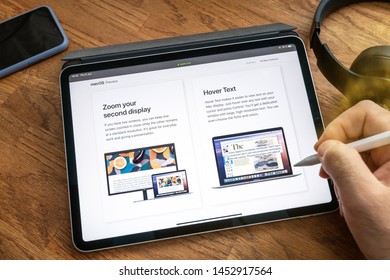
(361, 145)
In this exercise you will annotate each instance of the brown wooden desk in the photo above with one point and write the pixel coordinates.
(34, 211)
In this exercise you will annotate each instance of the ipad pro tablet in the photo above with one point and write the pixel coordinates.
(191, 141)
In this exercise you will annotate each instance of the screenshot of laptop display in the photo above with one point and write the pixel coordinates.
(169, 184)
(252, 156)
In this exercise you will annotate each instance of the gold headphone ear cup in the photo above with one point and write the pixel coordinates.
(374, 62)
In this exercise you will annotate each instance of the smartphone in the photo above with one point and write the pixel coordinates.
(29, 38)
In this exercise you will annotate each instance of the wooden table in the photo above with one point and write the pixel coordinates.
(34, 210)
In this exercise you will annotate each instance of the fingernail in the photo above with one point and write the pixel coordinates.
(324, 147)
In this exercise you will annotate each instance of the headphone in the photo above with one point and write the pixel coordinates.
(369, 74)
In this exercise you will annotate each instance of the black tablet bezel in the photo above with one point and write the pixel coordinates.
(194, 228)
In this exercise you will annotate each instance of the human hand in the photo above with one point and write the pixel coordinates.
(362, 181)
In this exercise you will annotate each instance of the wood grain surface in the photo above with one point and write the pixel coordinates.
(34, 210)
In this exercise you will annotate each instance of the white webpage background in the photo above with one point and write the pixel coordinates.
(163, 98)
(106, 216)
(247, 82)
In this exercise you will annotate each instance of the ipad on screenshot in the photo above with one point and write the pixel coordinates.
(191, 141)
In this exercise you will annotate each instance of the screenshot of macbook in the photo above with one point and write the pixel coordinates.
(252, 156)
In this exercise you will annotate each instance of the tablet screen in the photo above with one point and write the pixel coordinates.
(221, 126)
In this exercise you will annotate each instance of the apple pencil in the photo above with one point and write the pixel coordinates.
(361, 145)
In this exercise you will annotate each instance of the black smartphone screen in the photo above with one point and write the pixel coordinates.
(28, 35)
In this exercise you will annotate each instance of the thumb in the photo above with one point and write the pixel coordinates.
(347, 170)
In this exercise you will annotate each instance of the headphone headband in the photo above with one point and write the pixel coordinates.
(375, 88)
(326, 7)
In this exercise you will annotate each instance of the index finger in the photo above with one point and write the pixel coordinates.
(362, 120)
